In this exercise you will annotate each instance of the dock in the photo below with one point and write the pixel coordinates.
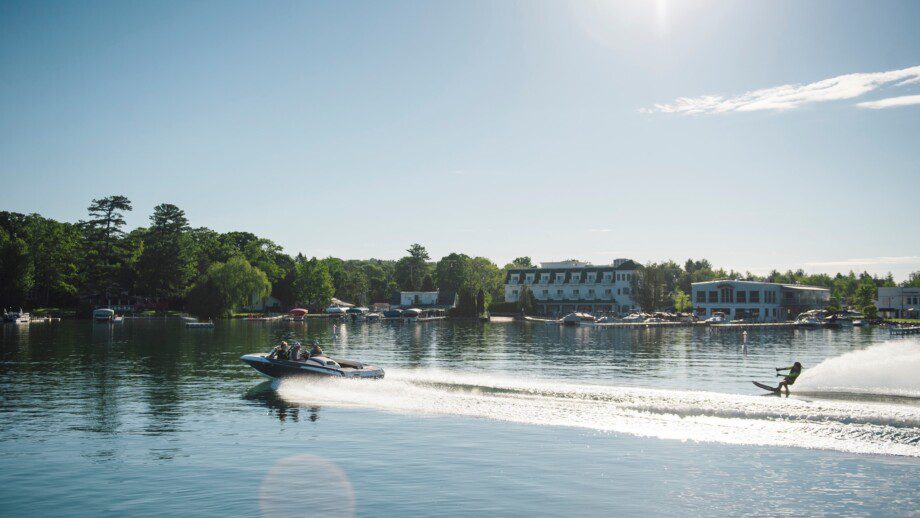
(904, 331)
(199, 325)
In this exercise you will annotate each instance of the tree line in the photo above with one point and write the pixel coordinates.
(171, 265)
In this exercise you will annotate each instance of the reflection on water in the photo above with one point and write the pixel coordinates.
(266, 394)
(149, 417)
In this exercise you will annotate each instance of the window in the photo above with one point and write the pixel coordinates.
(625, 291)
(618, 291)
(726, 294)
(742, 297)
(713, 296)
(575, 277)
(513, 292)
(544, 278)
(591, 277)
(701, 296)
(591, 292)
(545, 293)
(559, 292)
(529, 278)
(606, 277)
(755, 297)
(608, 292)
(574, 292)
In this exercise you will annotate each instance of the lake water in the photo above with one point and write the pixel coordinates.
(150, 418)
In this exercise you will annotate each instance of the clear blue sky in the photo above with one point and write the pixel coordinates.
(548, 129)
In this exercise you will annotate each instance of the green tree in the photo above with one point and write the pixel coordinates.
(527, 301)
(870, 311)
(428, 283)
(103, 235)
(54, 248)
(411, 269)
(227, 286)
(833, 305)
(312, 283)
(168, 261)
(453, 271)
(682, 302)
(650, 286)
(865, 293)
(15, 269)
(913, 280)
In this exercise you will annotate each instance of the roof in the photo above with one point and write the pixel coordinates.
(629, 265)
(760, 283)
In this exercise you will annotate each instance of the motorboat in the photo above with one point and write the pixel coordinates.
(578, 319)
(717, 318)
(635, 318)
(808, 321)
(16, 317)
(103, 315)
(336, 311)
(392, 314)
(271, 366)
(297, 314)
(372, 317)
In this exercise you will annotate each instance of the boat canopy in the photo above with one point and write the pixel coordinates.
(298, 312)
(103, 312)
(335, 310)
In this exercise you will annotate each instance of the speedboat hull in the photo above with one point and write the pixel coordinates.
(275, 368)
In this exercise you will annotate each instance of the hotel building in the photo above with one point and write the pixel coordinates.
(898, 302)
(567, 286)
(760, 301)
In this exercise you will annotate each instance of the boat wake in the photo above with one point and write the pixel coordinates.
(886, 369)
(842, 425)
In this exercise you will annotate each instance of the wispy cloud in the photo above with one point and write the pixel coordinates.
(600, 230)
(787, 97)
(904, 100)
(871, 261)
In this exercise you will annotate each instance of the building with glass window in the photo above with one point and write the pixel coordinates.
(758, 301)
(898, 302)
(564, 287)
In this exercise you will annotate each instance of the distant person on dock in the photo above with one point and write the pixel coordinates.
(790, 378)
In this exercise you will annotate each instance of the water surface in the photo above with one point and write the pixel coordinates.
(150, 418)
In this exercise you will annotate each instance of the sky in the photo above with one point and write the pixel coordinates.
(758, 135)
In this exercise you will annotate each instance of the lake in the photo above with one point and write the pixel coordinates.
(150, 418)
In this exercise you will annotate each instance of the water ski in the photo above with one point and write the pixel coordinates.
(766, 387)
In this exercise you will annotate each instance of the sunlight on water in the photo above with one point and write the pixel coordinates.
(841, 425)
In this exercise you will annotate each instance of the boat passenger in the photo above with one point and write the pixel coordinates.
(790, 378)
(280, 351)
(295, 352)
(316, 350)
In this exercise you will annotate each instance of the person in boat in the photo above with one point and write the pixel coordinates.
(295, 352)
(280, 351)
(790, 378)
(316, 350)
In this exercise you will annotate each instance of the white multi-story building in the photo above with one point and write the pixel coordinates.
(567, 286)
(753, 300)
(898, 302)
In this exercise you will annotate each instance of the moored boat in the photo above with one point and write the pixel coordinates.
(103, 315)
(578, 319)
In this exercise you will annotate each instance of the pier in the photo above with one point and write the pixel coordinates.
(904, 331)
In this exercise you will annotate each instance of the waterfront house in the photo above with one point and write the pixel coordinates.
(575, 286)
(424, 299)
(898, 302)
(756, 301)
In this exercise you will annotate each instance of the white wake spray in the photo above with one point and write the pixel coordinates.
(851, 426)
(891, 368)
